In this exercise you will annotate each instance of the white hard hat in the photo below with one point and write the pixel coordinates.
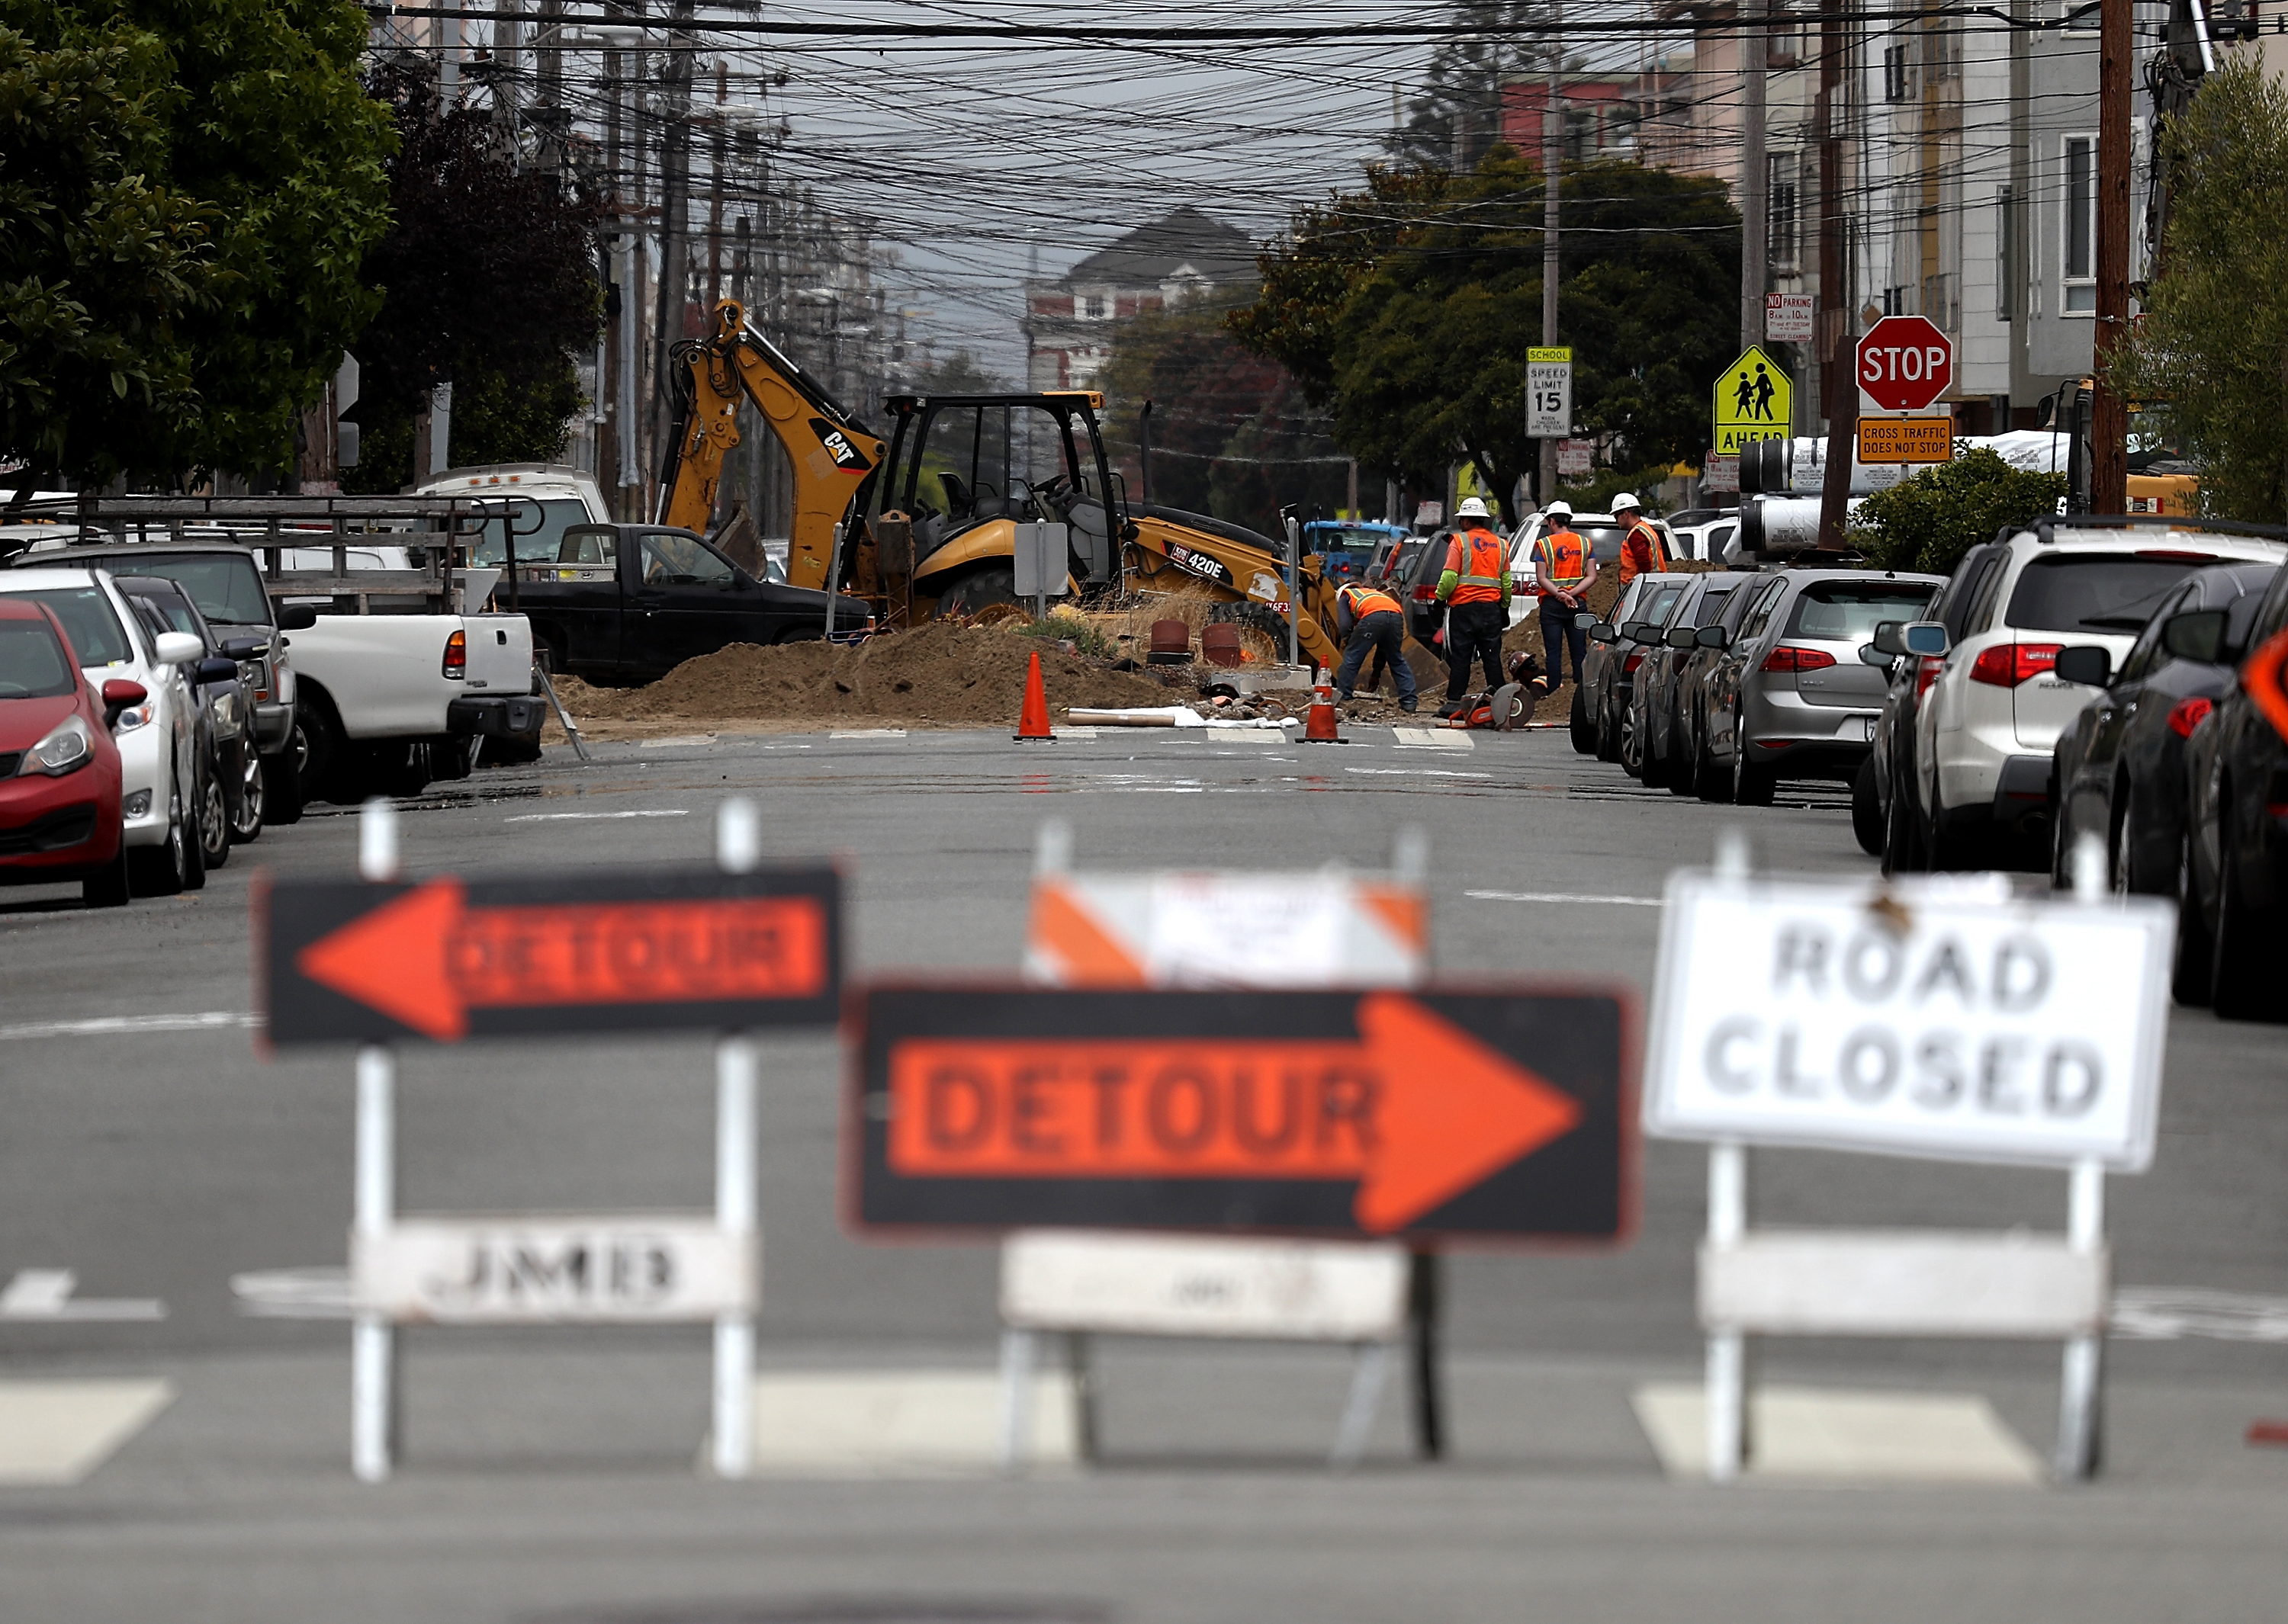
(1625, 499)
(1472, 508)
(1558, 509)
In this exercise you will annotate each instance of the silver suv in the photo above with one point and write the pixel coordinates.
(1791, 697)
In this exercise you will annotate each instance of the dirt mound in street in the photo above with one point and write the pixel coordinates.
(947, 675)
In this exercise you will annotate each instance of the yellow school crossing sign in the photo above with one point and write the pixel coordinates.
(1754, 402)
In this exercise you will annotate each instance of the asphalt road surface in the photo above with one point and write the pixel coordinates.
(551, 1476)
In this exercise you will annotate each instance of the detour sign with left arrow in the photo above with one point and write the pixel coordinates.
(1376, 1112)
(619, 951)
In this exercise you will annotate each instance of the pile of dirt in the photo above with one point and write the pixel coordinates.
(943, 675)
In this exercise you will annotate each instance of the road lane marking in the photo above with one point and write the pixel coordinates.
(1416, 773)
(46, 1295)
(318, 1293)
(675, 742)
(2164, 1313)
(1433, 738)
(108, 1026)
(592, 817)
(1823, 1435)
(868, 733)
(58, 1432)
(1561, 896)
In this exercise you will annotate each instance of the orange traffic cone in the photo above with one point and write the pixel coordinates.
(1033, 721)
(1319, 721)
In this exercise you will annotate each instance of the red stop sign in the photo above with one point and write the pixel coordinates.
(1905, 363)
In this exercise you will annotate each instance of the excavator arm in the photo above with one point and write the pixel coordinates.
(832, 454)
(1168, 555)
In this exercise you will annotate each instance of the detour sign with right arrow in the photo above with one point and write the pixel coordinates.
(1338, 1114)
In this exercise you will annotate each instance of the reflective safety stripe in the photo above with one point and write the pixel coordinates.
(1364, 600)
(1484, 559)
(1566, 556)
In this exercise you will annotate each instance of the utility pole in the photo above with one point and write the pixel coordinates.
(2108, 416)
(549, 104)
(722, 155)
(1755, 207)
(1837, 371)
(1553, 153)
(674, 209)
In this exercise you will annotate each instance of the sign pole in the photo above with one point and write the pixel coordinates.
(1726, 1383)
(373, 1340)
(738, 850)
(2082, 1382)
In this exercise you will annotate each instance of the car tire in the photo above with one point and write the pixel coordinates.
(1753, 785)
(2194, 954)
(282, 785)
(980, 590)
(318, 739)
(1584, 736)
(2244, 984)
(1609, 735)
(1630, 749)
(1867, 810)
(212, 821)
(1906, 850)
(254, 799)
(1952, 847)
(194, 855)
(109, 888)
(1711, 779)
(163, 870)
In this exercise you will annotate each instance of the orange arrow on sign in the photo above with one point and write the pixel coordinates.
(426, 958)
(1415, 1109)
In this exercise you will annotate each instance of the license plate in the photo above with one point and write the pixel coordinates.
(1867, 729)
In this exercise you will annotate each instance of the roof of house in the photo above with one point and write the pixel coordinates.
(1151, 254)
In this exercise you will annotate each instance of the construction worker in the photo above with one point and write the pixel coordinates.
(1370, 618)
(1564, 569)
(1642, 553)
(1475, 589)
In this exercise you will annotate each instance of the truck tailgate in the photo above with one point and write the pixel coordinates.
(500, 654)
(384, 673)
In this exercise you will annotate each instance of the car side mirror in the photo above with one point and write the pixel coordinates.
(118, 694)
(244, 649)
(296, 617)
(218, 669)
(1711, 637)
(1682, 637)
(2196, 635)
(1927, 639)
(1633, 631)
(1601, 631)
(1869, 654)
(176, 648)
(1887, 642)
(2088, 665)
(1586, 622)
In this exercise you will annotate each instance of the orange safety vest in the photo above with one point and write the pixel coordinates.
(1566, 555)
(1641, 554)
(1478, 557)
(1364, 600)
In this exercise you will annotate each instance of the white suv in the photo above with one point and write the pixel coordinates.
(1985, 729)
(158, 757)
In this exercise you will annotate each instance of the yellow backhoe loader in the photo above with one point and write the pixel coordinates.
(927, 524)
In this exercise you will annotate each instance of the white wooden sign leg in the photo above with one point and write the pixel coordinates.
(1725, 1386)
(2081, 1384)
(1016, 1398)
(1370, 1374)
(734, 1214)
(373, 1340)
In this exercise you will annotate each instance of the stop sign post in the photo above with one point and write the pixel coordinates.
(1905, 363)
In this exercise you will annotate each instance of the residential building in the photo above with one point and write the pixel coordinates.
(1070, 319)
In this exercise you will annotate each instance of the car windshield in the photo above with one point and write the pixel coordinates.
(1710, 609)
(90, 621)
(1850, 611)
(33, 665)
(553, 518)
(2091, 592)
(174, 614)
(1657, 606)
(1604, 541)
(227, 586)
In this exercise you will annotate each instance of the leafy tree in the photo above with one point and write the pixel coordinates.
(1423, 347)
(1929, 519)
(2209, 362)
(187, 187)
(99, 262)
(1456, 119)
(961, 373)
(491, 286)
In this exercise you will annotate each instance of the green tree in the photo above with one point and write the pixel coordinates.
(1423, 347)
(1929, 519)
(1456, 117)
(187, 187)
(490, 273)
(2209, 362)
(98, 263)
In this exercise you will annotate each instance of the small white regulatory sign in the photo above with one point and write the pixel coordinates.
(643, 1268)
(1937, 1018)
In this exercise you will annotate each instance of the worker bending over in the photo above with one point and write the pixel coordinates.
(1564, 570)
(1642, 553)
(1373, 620)
(1475, 588)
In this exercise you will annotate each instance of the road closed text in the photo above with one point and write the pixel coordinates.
(1917, 1021)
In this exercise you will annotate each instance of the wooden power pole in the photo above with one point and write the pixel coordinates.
(2109, 419)
(1837, 370)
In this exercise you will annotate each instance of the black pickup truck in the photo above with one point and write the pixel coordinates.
(629, 603)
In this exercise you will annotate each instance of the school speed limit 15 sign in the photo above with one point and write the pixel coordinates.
(1941, 1019)
(1905, 362)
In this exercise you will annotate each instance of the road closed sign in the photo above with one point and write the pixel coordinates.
(1937, 1019)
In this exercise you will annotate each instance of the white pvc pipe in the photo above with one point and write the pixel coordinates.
(372, 1338)
(735, 1214)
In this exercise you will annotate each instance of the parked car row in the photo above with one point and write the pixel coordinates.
(2119, 679)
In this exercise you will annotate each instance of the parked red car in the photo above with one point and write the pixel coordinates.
(59, 767)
